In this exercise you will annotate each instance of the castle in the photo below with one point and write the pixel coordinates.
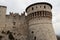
(37, 25)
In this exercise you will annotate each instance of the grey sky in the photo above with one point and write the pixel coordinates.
(19, 6)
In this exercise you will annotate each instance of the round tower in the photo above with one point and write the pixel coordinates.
(2, 17)
(39, 17)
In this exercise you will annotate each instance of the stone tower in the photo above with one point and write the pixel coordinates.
(2, 17)
(39, 17)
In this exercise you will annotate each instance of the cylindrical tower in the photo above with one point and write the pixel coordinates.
(39, 17)
(2, 17)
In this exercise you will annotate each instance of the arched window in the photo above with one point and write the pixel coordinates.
(32, 8)
(44, 6)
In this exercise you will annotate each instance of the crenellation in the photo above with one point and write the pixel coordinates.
(40, 21)
(37, 25)
(3, 6)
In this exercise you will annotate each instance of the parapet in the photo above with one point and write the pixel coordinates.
(40, 6)
(16, 14)
(23, 14)
(3, 6)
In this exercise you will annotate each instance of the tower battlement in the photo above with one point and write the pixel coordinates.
(37, 25)
(17, 14)
(14, 14)
(40, 9)
(39, 17)
(3, 6)
(40, 6)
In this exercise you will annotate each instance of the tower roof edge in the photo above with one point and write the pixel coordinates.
(3, 6)
(39, 3)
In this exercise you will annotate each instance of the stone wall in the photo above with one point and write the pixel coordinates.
(15, 27)
(39, 18)
(37, 25)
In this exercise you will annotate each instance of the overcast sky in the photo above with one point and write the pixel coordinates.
(19, 6)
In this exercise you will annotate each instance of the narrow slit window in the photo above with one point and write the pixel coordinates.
(44, 6)
(14, 23)
(32, 8)
(35, 38)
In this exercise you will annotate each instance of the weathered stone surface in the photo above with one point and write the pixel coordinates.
(37, 25)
